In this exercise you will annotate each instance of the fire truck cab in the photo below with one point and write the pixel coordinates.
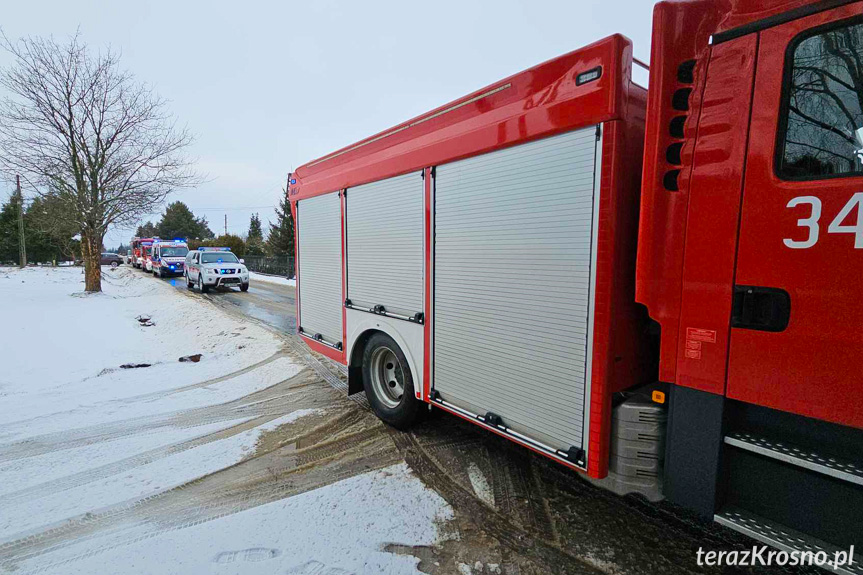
(138, 248)
(657, 288)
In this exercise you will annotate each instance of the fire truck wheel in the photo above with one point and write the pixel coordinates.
(389, 384)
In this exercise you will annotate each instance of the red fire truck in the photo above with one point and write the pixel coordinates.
(139, 247)
(659, 289)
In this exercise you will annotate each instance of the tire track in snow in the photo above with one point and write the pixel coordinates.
(104, 471)
(261, 479)
(266, 401)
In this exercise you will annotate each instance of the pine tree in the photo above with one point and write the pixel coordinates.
(147, 230)
(51, 230)
(9, 231)
(48, 231)
(255, 231)
(255, 238)
(280, 242)
(178, 221)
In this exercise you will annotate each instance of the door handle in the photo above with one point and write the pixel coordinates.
(760, 308)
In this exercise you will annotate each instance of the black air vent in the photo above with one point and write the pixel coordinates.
(675, 127)
(670, 180)
(685, 72)
(672, 153)
(680, 100)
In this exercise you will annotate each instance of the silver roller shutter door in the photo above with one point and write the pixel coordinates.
(320, 248)
(513, 236)
(385, 244)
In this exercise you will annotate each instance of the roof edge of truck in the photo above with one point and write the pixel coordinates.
(545, 99)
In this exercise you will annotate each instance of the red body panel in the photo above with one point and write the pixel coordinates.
(742, 12)
(689, 254)
(680, 32)
(138, 245)
(429, 271)
(620, 348)
(541, 101)
(811, 368)
(714, 189)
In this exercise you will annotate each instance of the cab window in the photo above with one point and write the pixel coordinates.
(821, 135)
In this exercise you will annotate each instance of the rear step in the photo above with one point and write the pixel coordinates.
(808, 459)
(783, 538)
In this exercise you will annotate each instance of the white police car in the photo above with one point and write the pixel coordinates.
(215, 267)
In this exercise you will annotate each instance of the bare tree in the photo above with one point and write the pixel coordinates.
(84, 132)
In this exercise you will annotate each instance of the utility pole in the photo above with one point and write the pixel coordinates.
(22, 248)
(226, 224)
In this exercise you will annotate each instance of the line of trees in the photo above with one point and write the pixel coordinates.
(179, 221)
(47, 239)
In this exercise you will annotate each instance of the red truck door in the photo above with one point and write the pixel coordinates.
(797, 320)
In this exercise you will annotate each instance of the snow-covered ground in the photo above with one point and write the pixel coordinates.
(340, 529)
(279, 280)
(64, 348)
(86, 443)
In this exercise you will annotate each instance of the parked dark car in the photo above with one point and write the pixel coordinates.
(112, 260)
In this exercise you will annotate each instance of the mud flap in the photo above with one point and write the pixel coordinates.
(355, 379)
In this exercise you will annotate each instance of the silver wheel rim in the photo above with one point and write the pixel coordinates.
(387, 375)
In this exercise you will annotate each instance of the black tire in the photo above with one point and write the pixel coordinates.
(244, 287)
(400, 411)
(189, 283)
(114, 264)
(201, 286)
(156, 273)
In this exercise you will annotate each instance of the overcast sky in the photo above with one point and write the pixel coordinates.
(268, 86)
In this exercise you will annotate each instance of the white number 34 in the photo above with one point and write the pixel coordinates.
(835, 227)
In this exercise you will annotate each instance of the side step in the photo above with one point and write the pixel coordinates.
(783, 538)
(834, 467)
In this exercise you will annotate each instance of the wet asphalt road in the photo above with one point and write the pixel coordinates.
(272, 304)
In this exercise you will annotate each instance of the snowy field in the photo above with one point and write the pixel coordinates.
(163, 469)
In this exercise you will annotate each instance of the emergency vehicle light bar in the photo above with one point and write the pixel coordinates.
(209, 249)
